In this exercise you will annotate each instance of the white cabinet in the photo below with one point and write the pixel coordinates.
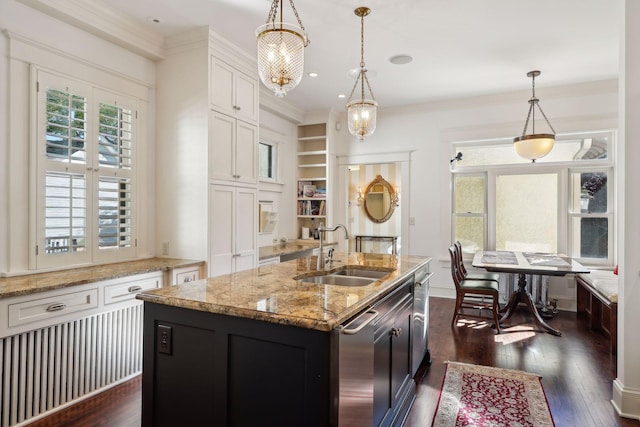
(232, 91)
(207, 134)
(233, 149)
(233, 229)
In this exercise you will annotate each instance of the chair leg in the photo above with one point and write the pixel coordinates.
(457, 309)
(496, 318)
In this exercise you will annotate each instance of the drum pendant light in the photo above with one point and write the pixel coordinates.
(534, 145)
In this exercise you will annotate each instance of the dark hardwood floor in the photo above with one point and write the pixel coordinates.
(577, 371)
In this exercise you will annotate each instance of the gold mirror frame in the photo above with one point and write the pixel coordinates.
(378, 186)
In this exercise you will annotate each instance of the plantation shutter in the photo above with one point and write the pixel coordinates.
(85, 185)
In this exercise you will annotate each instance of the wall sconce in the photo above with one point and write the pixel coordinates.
(395, 200)
(360, 198)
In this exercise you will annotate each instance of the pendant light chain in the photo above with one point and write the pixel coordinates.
(532, 112)
(273, 12)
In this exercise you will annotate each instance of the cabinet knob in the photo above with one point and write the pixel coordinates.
(396, 332)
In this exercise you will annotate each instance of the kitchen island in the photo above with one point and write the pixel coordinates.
(268, 346)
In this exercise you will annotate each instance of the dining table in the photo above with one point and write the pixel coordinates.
(523, 264)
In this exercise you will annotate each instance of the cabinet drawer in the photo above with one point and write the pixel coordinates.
(52, 307)
(126, 290)
(187, 276)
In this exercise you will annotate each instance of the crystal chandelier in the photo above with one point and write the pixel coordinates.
(535, 145)
(362, 112)
(281, 51)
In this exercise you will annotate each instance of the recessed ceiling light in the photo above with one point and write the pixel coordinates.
(401, 59)
(342, 95)
(313, 74)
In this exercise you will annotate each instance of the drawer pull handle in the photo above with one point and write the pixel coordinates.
(57, 306)
(133, 289)
(396, 332)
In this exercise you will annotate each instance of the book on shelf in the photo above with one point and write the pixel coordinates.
(301, 185)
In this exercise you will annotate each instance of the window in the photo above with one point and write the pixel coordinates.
(561, 205)
(267, 165)
(85, 173)
(470, 212)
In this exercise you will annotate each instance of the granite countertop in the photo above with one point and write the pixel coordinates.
(271, 293)
(290, 247)
(40, 282)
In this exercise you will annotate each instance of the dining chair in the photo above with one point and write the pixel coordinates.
(476, 275)
(473, 294)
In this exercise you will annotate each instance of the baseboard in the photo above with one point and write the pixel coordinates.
(626, 401)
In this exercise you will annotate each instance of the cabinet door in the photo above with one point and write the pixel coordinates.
(233, 225)
(222, 152)
(246, 158)
(221, 239)
(221, 86)
(245, 217)
(246, 97)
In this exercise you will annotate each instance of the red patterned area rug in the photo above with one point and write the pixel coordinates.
(482, 396)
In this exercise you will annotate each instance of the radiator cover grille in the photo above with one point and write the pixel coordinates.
(43, 369)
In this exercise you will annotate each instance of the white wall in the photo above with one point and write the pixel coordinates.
(29, 37)
(626, 388)
(427, 131)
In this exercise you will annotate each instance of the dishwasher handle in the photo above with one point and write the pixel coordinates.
(348, 331)
(424, 280)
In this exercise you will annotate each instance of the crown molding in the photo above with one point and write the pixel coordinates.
(104, 22)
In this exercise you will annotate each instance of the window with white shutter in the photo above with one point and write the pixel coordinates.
(85, 190)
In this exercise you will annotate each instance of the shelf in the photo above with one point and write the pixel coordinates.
(312, 198)
(314, 165)
(312, 216)
(312, 153)
(311, 138)
(320, 178)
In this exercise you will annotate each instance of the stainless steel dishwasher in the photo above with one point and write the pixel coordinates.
(421, 318)
(355, 372)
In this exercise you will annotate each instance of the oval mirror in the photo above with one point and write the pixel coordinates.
(379, 200)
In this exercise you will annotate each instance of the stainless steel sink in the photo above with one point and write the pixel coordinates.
(346, 277)
(356, 272)
(335, 279)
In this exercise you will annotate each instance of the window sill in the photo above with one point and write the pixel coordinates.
(269, 185)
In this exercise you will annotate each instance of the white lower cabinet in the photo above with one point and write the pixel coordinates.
(62, 345)
(233, 229)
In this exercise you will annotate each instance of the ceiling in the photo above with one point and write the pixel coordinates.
(460, 48)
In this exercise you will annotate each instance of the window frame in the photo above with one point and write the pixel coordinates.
(274, 161)
(564, 170)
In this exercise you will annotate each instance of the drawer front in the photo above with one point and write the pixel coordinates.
(127, 290)
(52, 307)
(187, 276)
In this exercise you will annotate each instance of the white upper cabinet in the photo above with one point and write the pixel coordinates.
(233, 92)
(233, 149)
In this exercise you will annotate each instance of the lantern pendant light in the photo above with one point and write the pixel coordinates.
(535, 145)
(362, 112)
(281, 51)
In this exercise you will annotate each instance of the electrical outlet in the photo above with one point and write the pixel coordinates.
(165, 248)
(164, 339)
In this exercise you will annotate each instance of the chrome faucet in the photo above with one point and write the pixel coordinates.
(321, 258)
